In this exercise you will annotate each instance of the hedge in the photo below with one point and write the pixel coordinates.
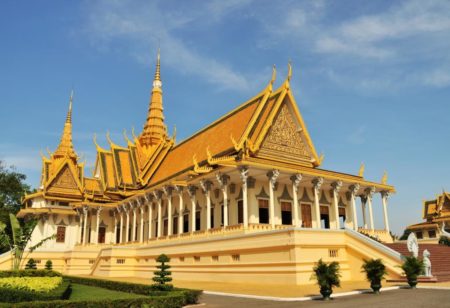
(12, 295)
(168, 301)
(190, 296)
(29, 273)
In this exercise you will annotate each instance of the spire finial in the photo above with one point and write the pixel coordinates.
(69, 113)
(65, 146)
(274, 75)
(289, 70)
(157, 81)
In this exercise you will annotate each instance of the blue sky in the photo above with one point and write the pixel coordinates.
(372, 78)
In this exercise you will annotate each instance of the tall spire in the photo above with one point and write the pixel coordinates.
(154, 128)
(65, 146)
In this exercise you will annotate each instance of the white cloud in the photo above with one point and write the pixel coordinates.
(142, 26)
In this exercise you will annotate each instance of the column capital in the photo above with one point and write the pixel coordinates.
(206, 185)
(99, 210)
(244, 173)
(353, 189)
(178, 189)
(385, 194)
(157, 194)
(317, 182)
(85, 209)
(167, 190)
(273, 175)
(336, 186)
(369, 191)
(148, 197)
(296, 178)
(191, 189)
(222, 179)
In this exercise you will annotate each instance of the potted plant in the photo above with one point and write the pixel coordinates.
(327, 276)
(375, 272)
(412, 267)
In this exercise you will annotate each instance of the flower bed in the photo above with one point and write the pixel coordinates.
(37, 284)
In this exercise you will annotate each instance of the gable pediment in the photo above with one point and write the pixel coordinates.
(286, 138)
(65, 182)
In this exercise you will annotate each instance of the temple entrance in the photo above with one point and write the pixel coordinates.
(118, 234)
(101, 235)
(306, 215)
(324, 217)
(175, 225)
(263, 211)
(240, 208)
(342, 217)
(197, 221)
(186, 223)
(286, 213)
(166, 227)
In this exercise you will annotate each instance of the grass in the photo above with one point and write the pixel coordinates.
(83, 292)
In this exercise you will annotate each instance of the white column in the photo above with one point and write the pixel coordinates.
(168, 193)
(272, 175)
(244, 178)
(369, 193)
(317, 182)
(158, 197)
(353, 190)
(363, 209)
(85, 212)
(296, 178)
(206, 187)
(150, 218)
(133, 228)
(223, 183)
(191, 190)
(114, 240)
(336, 188)
(384, 197)
(179, 190)
(127, 230)
(80, 239)
(121, 227)
(141, 226)
(97, 226)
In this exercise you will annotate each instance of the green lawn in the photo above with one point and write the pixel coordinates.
(83, 292)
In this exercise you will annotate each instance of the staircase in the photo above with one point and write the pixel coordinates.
(440, 258)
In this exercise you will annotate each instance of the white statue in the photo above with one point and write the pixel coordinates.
(427, 263)
(413, 245)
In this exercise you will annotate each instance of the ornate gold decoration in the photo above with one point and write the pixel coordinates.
(384, 178)
(321, 158)
(65, 179)
(361, 170)
(284, 138)
(235, 144)
(197, 168)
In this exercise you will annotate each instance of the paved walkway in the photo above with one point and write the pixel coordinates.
(402, 298)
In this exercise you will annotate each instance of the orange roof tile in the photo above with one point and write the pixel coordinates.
(216, 136)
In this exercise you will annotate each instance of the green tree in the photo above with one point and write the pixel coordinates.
(49, 265)
(375, 272)
(327, 276)
(19, 238)
(162, 276)
(31, 265)
(12, 188)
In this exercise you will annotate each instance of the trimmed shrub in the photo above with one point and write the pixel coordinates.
(375, 272)
(162, 276)
(412, 267)
(29, 273)
(189, 296)
(49, 265)
(31, 265)
(12, 295)
(169, 301)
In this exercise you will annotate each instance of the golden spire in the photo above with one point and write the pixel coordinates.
(65, 146)
(154, 128)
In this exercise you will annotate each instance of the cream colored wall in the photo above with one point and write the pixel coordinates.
(281, 256)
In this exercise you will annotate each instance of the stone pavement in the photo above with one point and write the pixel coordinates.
(402, 298)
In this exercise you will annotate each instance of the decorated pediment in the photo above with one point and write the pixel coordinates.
(287, 139)
(65, 182)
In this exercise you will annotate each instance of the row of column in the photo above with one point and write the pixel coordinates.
(123, 213)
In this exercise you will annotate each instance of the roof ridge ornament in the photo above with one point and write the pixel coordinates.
(362, 167)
